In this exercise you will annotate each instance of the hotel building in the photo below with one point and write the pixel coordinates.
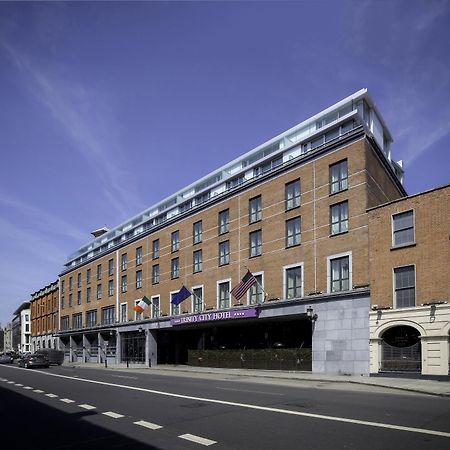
(293, 211)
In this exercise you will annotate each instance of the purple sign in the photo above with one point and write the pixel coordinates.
(212, 316)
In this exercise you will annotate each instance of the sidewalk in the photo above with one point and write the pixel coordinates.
(437, 386)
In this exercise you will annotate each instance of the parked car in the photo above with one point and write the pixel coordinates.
(54, 356)
(34, 360)
(6, 359)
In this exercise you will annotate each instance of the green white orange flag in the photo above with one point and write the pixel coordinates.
(144, 303)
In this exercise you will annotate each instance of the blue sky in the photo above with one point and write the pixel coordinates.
(106, 108)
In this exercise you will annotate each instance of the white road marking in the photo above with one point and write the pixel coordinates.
(27, 387)
(251, 392)
(38, 391)
(66, 400)
(18, 384)
(51, 395)
(124, 376)
(261, 408)
(11, 382)
(151, 426)
(197, 439)
(85, 406)
(113, 415)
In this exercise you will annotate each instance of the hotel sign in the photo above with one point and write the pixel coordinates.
(215, 316)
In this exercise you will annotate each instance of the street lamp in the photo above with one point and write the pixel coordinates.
(310, 314)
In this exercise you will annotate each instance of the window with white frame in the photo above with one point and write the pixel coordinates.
(255, 293)
(197, 261)
(175, 309)
(110, 288)
(77, 320)
(339, 217)
(124, 262)
(139, 279)
(111, 267)
(255, 209)
(155, 249)
(293, 232)
(124, 284)
(175, 241)
(138, 315)
(139, 256)
(91, 318)
(339, 177)
(197, 232)
(340, 272)
(224, 253)
(224, 221)
(155, 274)
(99, 291)
(156, 312)
(293, 276)
(108, 315)
(403, 228)
(255, 238)
(405, 287)
(292, 194)
(175, 268)
(123, 312)
(197, 299)
(223, 293)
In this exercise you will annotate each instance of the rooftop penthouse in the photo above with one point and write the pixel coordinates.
(309, 137)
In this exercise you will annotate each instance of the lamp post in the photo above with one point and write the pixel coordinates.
(310, 314)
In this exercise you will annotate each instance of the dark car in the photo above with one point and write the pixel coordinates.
(34, 360)
(6, 359)
(54, 356)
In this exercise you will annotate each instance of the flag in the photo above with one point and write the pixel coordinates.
(183, 294)
(240, 289)
(144, 303)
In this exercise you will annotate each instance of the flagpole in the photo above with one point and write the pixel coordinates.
(265, 293)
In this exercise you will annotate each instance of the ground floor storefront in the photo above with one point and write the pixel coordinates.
(411, 340)
(323, 334)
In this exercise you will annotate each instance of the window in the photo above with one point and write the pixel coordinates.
(339, 218)
(88, 276)
(255, 243)
(79, 298)
(224, 253)
(292, 194)
(224, 221)
(108, 315)
(79, 280)
(62, 286)
(156, 312)
(255, 209)
(155, 249)
(155, 274)
(197, 232)
(293, 230)
(255, 295)
(70, 283)
(175, 268)
(139, 279)
(138, 315)
(338, 177)
(91, 318)
(340, 274)
(224, 295)
(77, 321)
(88, 295)
(175, 309)
(197, 261)
(405, 287)
(123, 312)
(139, 256)
(65, 323)
(99, 272)
(70, 300)
(124, 262)
(293, 282)
(111, 267)
(124, 284)
(403, 228)
(110, 288)
(175, 241)
(99, 291)
(197, 299)
(62, 302)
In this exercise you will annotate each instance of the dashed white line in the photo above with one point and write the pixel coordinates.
(197, 439)
(86, 406)
(38, 391)
(151, 426)
(11, 382)
(113, 415)
(51, 395)
(27, 387)
(18, 384)
(67, 400)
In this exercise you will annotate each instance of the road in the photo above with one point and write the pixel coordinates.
(68, 408)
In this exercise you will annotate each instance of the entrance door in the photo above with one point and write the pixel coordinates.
(133, 348)
(401, 350)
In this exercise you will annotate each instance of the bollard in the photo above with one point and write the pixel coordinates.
(106, 363)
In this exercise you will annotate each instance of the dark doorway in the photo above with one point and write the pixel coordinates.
(133, 347)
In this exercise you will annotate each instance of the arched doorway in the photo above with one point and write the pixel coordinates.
(401, 350)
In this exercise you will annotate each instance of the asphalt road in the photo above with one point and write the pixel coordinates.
(68, 408)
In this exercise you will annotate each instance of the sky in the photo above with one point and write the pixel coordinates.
(107, 107)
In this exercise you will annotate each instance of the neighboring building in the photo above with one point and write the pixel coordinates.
(2, 339)
(44, 317)
(293, 210)
(410, 283)
(21, 328)
(8, 345)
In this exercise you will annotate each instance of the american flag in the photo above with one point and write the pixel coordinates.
(240, 289)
